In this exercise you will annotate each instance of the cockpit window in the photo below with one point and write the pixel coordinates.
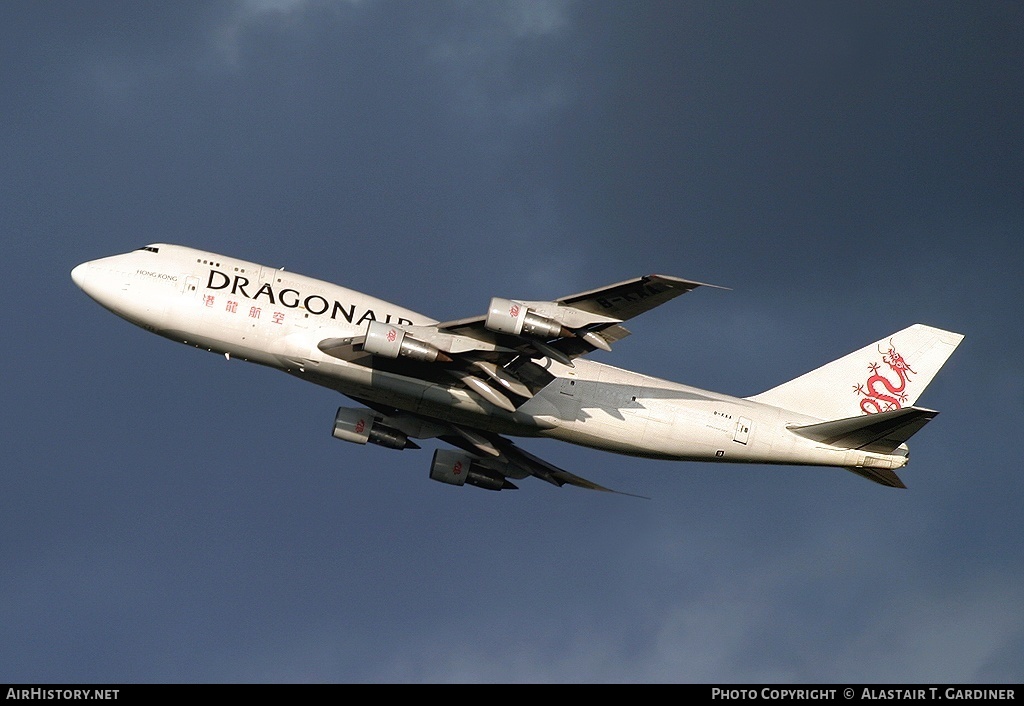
(150, 248)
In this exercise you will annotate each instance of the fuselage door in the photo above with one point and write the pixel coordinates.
(288, 308)
(742, 430)
(191, 286)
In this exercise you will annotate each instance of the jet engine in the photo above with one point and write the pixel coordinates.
(360, 426)
(507, 316)
(390, 341)
(457, 468)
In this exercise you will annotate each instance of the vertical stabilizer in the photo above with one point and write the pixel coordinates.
(887, 375)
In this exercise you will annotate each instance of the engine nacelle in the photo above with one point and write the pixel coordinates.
(359, 426)
(457, 468)
(507, 316)
(390, 341)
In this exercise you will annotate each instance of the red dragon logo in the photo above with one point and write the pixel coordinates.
(880, 393)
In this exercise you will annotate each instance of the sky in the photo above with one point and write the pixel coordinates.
(845, 169)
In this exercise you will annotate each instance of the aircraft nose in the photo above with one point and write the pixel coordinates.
(106, 281)
(92, 281)
(78, 274)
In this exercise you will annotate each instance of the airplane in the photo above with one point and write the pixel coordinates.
(519, 369)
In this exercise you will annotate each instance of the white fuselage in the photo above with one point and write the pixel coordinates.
(277, 318)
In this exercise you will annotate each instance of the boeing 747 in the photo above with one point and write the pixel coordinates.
(519, 369)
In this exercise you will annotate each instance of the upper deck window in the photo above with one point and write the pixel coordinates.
(150, 248)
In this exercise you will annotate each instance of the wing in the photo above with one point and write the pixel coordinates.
(484, 459)
(494, 355)
(597, 312)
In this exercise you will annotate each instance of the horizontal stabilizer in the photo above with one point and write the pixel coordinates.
(883, 476)
(880, 433)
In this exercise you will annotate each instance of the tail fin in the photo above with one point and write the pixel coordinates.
(887, 375)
